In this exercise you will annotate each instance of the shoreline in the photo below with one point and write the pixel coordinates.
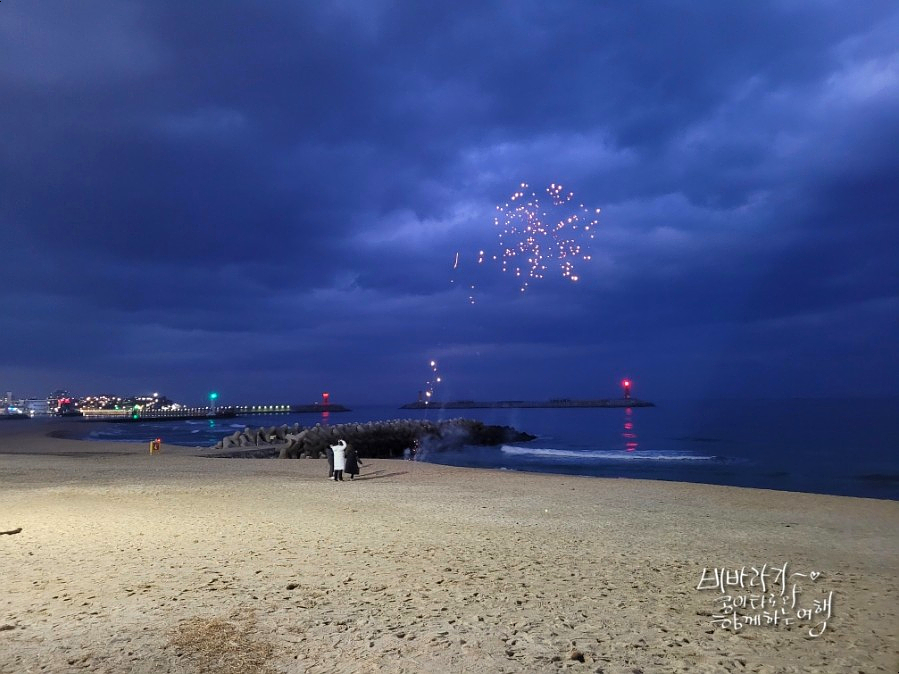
(78, 430)
(125, 560)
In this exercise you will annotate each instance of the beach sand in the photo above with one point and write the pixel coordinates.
(131, 562)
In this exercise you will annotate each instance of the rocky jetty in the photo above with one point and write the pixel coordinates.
(526, 404)
(374, 439)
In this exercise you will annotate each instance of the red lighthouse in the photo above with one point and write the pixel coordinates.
(626, 385)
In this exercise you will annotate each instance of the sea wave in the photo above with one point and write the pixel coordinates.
(602, 455)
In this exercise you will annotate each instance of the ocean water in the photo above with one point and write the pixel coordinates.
(841, 447)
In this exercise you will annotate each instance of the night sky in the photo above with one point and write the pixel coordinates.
(266, 198)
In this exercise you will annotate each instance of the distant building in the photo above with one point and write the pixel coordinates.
(104, 401)
(155, 402)
(65, 406)
(36, 407)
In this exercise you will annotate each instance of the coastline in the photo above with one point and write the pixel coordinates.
(413, 566)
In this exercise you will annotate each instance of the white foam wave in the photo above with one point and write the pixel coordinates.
(602, 455)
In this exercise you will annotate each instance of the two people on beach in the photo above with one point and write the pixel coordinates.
(342, 458)
(410, 453)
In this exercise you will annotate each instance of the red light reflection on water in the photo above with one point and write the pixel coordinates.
(629, 435)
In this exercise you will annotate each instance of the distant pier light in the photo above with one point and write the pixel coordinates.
(626, 385)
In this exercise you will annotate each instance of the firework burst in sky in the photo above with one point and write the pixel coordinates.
(540, 234)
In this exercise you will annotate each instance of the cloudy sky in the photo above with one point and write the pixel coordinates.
(267, 198)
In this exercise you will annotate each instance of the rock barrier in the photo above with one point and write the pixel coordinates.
(373, 439)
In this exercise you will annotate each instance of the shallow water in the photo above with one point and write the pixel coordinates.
(819, 446)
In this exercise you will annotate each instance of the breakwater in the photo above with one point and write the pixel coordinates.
(511, 404)
(375, 439)
(156, 416)
(314, 408)
(224, 412)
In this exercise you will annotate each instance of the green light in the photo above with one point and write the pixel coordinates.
(213, 396)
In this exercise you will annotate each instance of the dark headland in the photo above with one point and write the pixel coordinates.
(503, 404)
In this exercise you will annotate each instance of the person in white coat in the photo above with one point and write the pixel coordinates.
(339, 459)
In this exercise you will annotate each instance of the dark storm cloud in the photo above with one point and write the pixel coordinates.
(270, 195)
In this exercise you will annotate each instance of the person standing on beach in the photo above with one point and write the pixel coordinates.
(352, 462)
(330, 454)
(339, 460)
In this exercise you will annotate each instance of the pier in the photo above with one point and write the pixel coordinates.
(218, 412)
(314, 408)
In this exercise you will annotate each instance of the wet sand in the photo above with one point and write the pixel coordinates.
(131, 562)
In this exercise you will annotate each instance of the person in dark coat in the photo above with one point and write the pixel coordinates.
(352, 462)
(330, 454)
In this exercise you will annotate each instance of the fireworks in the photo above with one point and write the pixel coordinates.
(535, 235)
(539, 234)
(431, 384)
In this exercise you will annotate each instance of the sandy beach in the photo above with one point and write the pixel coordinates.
(115, 560)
